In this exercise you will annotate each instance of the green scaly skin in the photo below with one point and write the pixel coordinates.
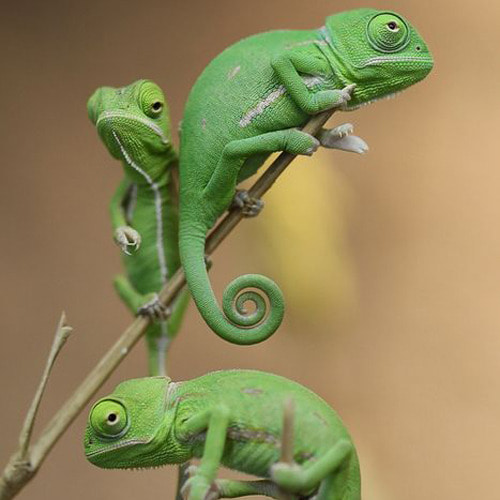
(248, 103)
(232, 418)
(134, 124)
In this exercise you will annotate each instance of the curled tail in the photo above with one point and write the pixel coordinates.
(234, 324)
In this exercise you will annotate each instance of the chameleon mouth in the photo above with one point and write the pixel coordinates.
(116, 446)
(109, 117)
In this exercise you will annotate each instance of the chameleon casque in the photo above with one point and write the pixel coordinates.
(231, 418)
(134, 124)
(248, 103)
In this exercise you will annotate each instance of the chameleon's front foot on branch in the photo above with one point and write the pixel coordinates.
(154, 309)
(329, 99)
(340, 138)
(127, 238)
(250, 207)
(345, 95)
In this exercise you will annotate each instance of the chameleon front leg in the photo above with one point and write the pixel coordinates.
(222, 185)
(289, 67)
(215, 422)
(126, 237)
(299, 479)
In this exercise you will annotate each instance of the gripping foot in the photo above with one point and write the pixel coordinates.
(250, 207)
(127, 238)
(154, 309)
(340, 138)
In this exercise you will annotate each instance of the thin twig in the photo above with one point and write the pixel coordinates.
(12, 481)
(62, 333)
(287, 440)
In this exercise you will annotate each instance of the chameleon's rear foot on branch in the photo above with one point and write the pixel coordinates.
(250, 207)
(154, 309)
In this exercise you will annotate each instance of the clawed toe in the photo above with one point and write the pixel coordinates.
(250, 207)
(155, 310)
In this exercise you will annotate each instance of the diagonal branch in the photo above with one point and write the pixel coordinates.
(11, 481)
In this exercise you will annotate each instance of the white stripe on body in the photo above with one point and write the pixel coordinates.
(158, 208)
(163, 341)
(310, 81)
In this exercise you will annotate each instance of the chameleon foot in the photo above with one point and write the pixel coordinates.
(346, 94)
(250, 207)
(126, 237)
(340, 138)
(285, 476)
(154, 309)
(198, 488)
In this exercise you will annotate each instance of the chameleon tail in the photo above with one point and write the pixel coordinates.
(234, 324)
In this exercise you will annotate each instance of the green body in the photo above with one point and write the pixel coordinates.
(232, 418)
(144, 211)
(248, 103)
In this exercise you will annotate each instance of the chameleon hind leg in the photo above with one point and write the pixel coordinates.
(161, 334)
(221, 188)
(325, 472)
(230, 488)
(157, 334)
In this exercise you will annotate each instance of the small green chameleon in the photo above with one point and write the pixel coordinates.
(134, 124)
(248, 103)
(232, 418)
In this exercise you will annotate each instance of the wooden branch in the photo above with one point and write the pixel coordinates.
(19, 471)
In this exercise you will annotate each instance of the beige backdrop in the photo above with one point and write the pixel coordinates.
(399, 332)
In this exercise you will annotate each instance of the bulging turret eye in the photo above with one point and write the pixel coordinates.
(156, 107)
(388, 32)
(392, 26)
(109, 419)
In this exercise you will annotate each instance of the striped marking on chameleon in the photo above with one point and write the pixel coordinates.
(388, 59)
(107, 115)
(310, 81)
(232, 73)
(158, 208)
(306, 42)
(162, 344)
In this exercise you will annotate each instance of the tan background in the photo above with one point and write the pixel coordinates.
(405, 338)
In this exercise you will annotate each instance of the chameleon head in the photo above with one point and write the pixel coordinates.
(378, 50)
(129, 428)
(132, 121)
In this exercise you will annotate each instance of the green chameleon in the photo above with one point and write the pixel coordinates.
(248, 103)
(231, 418)
(134, 124)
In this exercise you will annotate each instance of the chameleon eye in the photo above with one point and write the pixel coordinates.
(109, 419)
(151, 99)
(388, 33)
(393, 26)
(157, 106)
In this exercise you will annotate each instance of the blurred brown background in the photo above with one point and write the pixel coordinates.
(390, 261)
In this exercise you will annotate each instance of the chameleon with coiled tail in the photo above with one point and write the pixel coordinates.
(232, 418)
(248, 103)
(134, 124)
